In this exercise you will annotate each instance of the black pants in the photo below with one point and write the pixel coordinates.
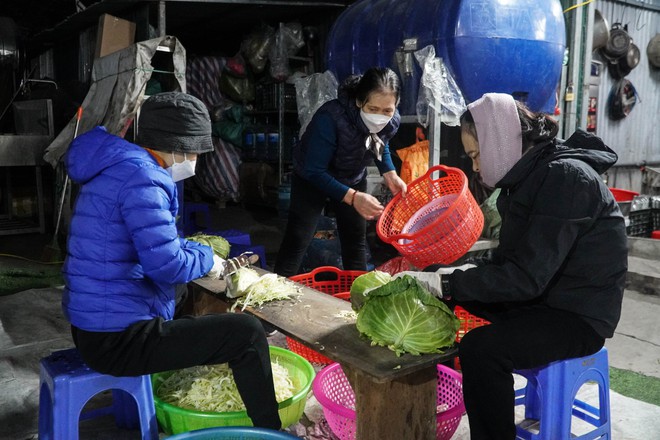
(157, 345)
(518, 338)
(307, 205)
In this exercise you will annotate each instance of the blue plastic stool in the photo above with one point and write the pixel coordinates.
(190, 215)
(67, 384)
(233, 433)
(550, 398)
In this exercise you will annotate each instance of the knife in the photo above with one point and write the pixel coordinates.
(246, 259)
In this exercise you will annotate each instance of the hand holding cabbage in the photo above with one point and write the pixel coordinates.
(401, 315)
(432, 281)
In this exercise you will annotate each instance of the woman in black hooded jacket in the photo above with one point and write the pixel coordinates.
(554, 286)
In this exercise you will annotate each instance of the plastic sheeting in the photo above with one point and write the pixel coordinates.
(118, 84)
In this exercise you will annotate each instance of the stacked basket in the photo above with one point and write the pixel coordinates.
(330, 280)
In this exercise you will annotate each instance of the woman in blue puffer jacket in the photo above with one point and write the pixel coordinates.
(330, 167)
(124, 258)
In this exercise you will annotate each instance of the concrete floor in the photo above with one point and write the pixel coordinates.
(32, 326)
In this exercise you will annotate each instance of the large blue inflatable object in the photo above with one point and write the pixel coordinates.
(510, 46)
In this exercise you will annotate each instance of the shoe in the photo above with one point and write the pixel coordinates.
(269, 329)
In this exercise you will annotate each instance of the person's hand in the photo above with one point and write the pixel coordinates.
(218, 268)
(395, 183)
(367, 205)
(432, 281)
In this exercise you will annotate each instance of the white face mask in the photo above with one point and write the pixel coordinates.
(182, 170)
(374, 122)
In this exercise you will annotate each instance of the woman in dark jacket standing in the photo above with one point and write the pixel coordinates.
(342, 138)
(554, 286)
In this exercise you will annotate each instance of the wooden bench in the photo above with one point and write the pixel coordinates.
(395, 396)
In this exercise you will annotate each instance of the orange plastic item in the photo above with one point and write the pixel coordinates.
(437, 221)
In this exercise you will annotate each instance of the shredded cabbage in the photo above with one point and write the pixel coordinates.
(211, 388)
(239, 282)
(269, 287)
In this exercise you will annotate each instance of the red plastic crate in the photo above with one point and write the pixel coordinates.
(330, 280)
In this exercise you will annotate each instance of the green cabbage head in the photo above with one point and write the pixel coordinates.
(219, 245)
(404, 317)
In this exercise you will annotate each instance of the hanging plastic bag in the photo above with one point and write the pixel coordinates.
(311, 92)
(437, 90)
(230, 127)
(415, 158)
(256, 47)
(235, 81)
(288, 40)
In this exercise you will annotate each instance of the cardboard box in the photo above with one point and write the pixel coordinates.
(113, 34)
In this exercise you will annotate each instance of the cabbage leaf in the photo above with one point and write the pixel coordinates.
(404, 317)
(365, 283)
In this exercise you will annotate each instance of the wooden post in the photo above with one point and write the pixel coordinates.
(404, 408)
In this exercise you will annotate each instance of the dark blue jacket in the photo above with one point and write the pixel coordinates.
(563, 239)
(332, 153)
(123, 252)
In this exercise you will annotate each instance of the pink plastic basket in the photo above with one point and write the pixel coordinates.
(336, 396)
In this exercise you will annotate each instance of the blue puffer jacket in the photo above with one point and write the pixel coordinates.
(123, 252)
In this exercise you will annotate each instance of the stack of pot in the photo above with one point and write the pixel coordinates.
(616, 45)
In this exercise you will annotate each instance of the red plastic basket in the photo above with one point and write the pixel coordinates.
(334, 393)
(468, 321)
(623, 195)
(330, 280)
(437, 221)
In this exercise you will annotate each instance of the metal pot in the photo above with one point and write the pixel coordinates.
(601, 32)
(618, 43)
(653, 51)
(632, 57)
(623, 65)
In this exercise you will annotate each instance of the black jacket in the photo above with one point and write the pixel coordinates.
(350, 158)
(563, 237)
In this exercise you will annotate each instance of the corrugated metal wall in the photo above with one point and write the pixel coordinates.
(636, 138)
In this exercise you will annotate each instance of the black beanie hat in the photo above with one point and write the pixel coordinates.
(175, 121)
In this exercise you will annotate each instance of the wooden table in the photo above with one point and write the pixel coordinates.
(395, 396)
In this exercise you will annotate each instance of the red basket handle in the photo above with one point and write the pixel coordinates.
(443, 168)
(324, 270)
